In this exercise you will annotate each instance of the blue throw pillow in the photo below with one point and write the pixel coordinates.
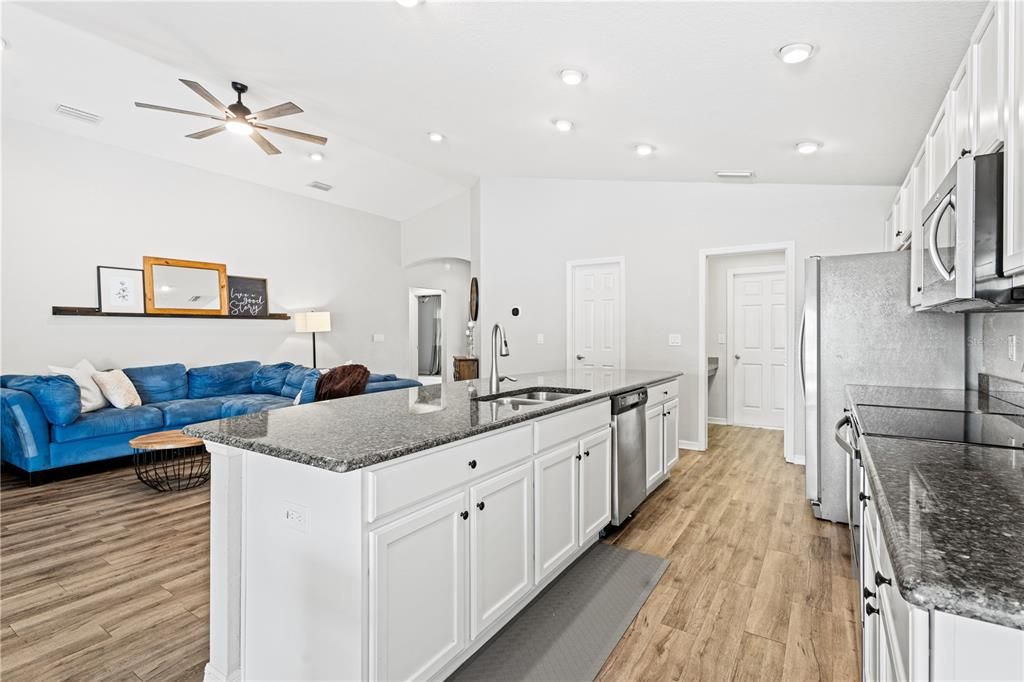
(58, 396)
(159, 382)
(294, 381)
(308, 392)
(232, 378)
(270, 378)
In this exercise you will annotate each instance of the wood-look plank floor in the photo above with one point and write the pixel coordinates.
(102, 578)
(757, 588)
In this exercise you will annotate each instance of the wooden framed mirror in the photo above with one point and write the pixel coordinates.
(185, 287)
(474, 299)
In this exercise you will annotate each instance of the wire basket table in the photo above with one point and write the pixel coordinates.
(170, 460)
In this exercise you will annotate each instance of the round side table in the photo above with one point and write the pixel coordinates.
(170, 460)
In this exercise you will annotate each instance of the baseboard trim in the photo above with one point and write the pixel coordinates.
(722, 421)
(690, 445)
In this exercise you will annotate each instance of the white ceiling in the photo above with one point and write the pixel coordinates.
(699, 80)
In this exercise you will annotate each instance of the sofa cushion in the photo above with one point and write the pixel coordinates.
(296, 379)
(374, 378)
(159, 382)
(58, 396)
(270, 378)
(231, 378)
(248, 404)
(381, 386)
(189, 411)
(110, 421)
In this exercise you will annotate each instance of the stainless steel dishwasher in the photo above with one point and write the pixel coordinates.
(629, 443)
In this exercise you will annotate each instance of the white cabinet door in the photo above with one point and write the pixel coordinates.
(890, 228)
(872, 622)
(556, 507)
(418, 591)
(1013, 259)
(940, 156)
(920, 184)
(655, 450)
(960, 108)
(989, 70)
(595, 484)
(670, 427)
(500, 544)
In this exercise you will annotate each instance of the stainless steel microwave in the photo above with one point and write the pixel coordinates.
(963, 241)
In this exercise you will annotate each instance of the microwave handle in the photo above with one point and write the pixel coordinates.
(933, 238)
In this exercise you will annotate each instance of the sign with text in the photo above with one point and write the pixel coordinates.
(247, 297)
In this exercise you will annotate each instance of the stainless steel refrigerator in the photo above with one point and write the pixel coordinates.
(858, 328)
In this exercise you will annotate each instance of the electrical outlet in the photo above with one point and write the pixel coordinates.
(1011, 347)
(675, 340)
(296, 517)
(540, 338)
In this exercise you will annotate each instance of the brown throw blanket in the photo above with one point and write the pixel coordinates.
(341, 382)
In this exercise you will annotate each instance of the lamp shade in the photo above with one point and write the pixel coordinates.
(313, 321)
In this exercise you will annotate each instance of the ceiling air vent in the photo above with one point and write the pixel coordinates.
(322, 186)
(71, 112)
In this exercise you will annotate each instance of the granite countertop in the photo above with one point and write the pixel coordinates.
(952, 514)
(351, 433)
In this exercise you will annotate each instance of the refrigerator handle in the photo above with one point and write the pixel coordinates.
(803, 344)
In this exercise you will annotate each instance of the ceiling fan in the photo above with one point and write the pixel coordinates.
(239, 119)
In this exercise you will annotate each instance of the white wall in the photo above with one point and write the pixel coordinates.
(530, 228)
(451, 276)
(718, 318)
(72, 204)
(439, 232)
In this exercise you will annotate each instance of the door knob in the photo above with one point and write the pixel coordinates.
(579, 357)
(737, 356)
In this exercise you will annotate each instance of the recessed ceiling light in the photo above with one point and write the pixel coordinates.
(572, 76)
(808, 146)
(643, 149)
(409, 3)
(735, 174)
(794, 53)
(436, 138)
(563, 125)
(316, 156)
(239, 127)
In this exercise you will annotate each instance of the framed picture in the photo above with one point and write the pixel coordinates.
(247, 296)
(120, 290)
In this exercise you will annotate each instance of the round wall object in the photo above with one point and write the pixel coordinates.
(474, 299)
(515, 312)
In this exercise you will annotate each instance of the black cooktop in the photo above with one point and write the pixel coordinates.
(996, 430)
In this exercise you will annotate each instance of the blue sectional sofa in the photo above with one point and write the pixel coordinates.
(42, 426)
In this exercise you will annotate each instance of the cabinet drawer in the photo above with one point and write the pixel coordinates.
(570, 425)
(663, 392)
(409, 481)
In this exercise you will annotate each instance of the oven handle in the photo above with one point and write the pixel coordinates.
(843, 422)
(946, 204)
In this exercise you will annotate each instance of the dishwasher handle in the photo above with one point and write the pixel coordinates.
(629, 401)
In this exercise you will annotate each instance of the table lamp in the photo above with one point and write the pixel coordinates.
(312, 322)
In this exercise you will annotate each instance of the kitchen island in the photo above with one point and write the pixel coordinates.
(941, 534)
(389, 536)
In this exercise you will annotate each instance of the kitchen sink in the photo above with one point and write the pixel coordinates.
(532, 396)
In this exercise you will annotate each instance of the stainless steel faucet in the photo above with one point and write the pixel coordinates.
(498, 341)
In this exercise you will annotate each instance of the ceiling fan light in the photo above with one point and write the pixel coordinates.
(239, 127)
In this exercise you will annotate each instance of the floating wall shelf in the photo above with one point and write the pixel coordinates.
(95, 312)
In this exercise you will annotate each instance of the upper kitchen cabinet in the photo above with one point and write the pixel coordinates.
(939, 144)
(917, 198)
(960, 107)
(989, 61)
(1013, 258)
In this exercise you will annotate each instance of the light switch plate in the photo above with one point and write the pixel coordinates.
(540, 338)
(675, 340)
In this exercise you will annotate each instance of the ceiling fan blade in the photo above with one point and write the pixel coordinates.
(264, 143)
(286, 109)
(206, 133)
(308, 137)
(143, 105)
(205, 94)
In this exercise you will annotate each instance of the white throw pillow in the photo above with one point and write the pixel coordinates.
(92, 396)
(117, 388)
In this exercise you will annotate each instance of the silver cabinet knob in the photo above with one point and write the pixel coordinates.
(579, 357)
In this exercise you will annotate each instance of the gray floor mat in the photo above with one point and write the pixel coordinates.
(569, 631)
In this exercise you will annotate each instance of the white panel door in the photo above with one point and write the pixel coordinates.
(655, 449)
(759, 326)
(500, 544)
(671, 433)
(418, 591)
(556, 508)
(595, 484)
(596, 338)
